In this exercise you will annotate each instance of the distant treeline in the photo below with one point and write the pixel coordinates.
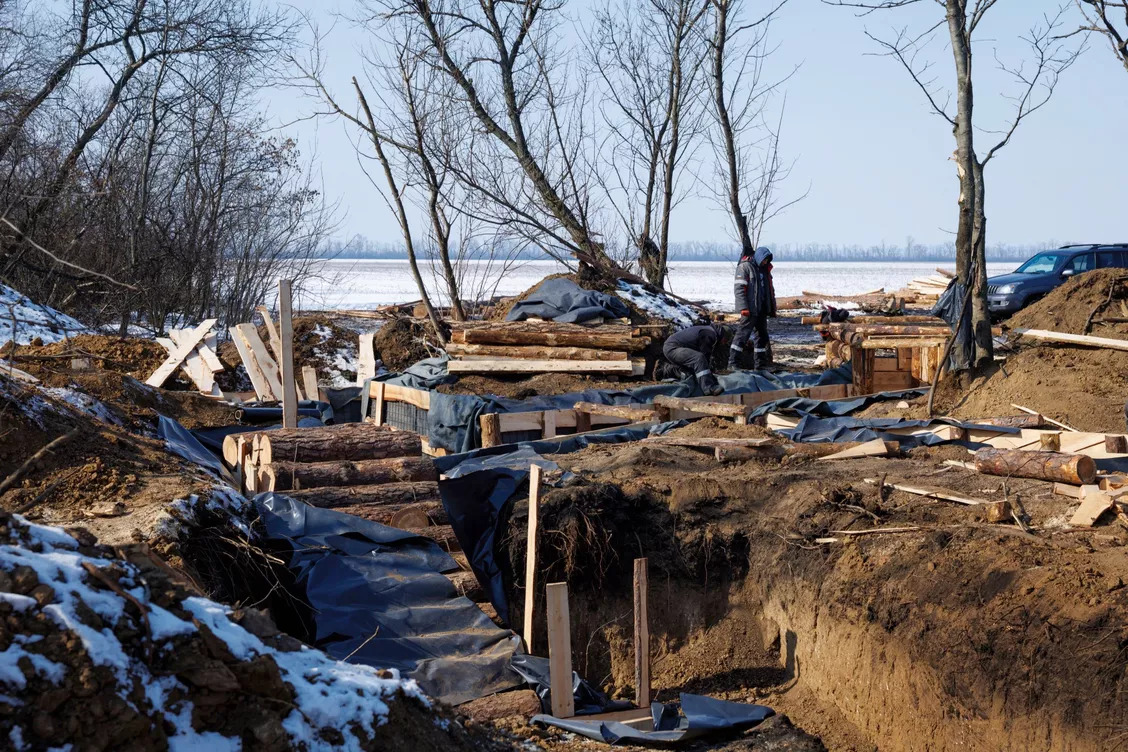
(363, 248)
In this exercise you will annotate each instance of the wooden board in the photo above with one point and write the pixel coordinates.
(271, 330)
(641, 633)
(559, 650)
(1094, 503)
(7, 370)
(1073, 339)
(366, 359)
(517, 365)
(260, 361)
(177, 356)
(309, 383)
(286, 356)
(875, 448)
(420, 398)
(531, 554)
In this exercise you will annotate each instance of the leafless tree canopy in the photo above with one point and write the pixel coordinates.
(134, 177)
(1108, 18)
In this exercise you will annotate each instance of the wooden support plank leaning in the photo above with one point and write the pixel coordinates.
(271, 331)
(309, 383)
(641, 633)
(366, 359)
(258, 362)
(559, 650)
(1073, 339)
(177, 356)
(289, 379)
(531, 555)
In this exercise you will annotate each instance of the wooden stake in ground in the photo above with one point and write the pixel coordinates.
(531, 554)
(309, 383)
(559, 650)
(289, 384)
(1076, 469)
(641, 633)
(366, 359)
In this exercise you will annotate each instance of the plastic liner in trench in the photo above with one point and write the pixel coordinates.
(378, 596)
(698, 716)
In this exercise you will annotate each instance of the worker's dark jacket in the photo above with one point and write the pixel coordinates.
(691, 348)
(755, 292)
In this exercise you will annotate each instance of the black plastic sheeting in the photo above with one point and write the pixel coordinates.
(561, 299)
(586, 699)
(185, 443)
(452, 420)
(948, 308)
(699, 716)
(378, 597)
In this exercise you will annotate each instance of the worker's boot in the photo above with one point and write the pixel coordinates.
(734, 359)
(709, 384)
(763, 361)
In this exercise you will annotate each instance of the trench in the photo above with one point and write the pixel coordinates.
(898, 645)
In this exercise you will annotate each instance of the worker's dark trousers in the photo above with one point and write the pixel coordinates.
(756, 330)
(692, 363)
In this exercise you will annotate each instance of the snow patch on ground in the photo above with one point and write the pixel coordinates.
(662, 306)
(32, 320)
(83, 403)
(337, 361)
(183, 515)
(328, 693)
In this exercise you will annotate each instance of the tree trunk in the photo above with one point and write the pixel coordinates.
(1053, 466)
(980, 313)
(965, 156)
(284, 476)
(732, 170)
(333, 497)
(364, 442)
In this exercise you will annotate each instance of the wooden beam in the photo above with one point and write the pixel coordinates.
(641, 633)
(531, 554)
(739, 412)
(559, 650)
(271, 330)
(895, 343)
(533, 352)
(635, 414)
(517, 365)
(376, 394)
(491, 429)
(257, 361)
(420, 398)
(309, 381)
(1073, 339)
(177, 356)
(930, 492)
(289, 381)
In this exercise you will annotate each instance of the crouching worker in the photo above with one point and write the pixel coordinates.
(755, 299)
(691, 350)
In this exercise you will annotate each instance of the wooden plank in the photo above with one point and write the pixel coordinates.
(559, 650)
(635, 414)
(1073, 339)
(261, 358)
(1094, 503)
(892, 381)
(254, 373)
(717, 408)
(931, 492)
(177, 356)
(1043, 417)
(535, 420)
(875, 448)
(376, 395)
(516, 365)
(366, 359)
(198, 371)
(271, 330)
(289, 379)
(548, 424)
(309, 382)
(1065, 489)
(531, 554)
(491, 429)
(8, 370)
(420, 398)
(885, 365)
(894, 343)
(641, 633)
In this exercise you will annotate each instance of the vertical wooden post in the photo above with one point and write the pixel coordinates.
(309, 381)
(641, 633)
(289, 385)
(531, 554)
(491, 429)
(378, 402)
(559, 650)
(366, 359)
(549, 423)
(583, 422)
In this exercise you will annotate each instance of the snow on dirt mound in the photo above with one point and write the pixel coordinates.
(660, 306)
(101, 652)
(32, 321)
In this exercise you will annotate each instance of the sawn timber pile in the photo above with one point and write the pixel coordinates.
(534, 347)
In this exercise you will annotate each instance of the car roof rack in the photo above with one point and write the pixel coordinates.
(1085, 245)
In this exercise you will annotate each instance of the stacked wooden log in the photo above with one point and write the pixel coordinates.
(530, 347)
(370, 471)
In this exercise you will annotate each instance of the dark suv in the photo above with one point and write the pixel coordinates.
(1048, 269)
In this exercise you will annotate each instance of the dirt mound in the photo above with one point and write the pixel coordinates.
(720, 428)
(1067, 308)
(400, 343)
(113, 651)
(132, 356)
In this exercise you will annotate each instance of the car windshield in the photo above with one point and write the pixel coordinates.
(1043, 263)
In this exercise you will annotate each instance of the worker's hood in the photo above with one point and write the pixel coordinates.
(762, 254)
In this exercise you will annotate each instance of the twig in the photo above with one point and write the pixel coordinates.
(19, 471)
(58, 260)
(875, 531)
(361, 645)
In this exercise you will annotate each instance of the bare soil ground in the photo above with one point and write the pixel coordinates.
(974, 636)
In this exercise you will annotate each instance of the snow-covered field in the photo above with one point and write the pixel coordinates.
(352, 283)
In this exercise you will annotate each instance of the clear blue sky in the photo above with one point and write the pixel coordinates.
(877, 162)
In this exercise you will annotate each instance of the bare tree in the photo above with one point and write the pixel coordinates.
(750, 166)
(649, 54)
(1035, 82)
(1100, 18)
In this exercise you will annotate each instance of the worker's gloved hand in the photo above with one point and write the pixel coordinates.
(745, 313)
(716, 390)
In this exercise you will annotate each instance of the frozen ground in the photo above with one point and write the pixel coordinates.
(30, 320)
(351, 283)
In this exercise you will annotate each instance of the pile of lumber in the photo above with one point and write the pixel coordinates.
(193, 351)
(530, 347)
(927, 290)
(262, 365)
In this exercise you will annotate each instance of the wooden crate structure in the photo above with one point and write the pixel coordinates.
(879, 366)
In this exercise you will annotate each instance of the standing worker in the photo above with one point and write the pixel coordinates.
(691, 350)
(755, 299)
